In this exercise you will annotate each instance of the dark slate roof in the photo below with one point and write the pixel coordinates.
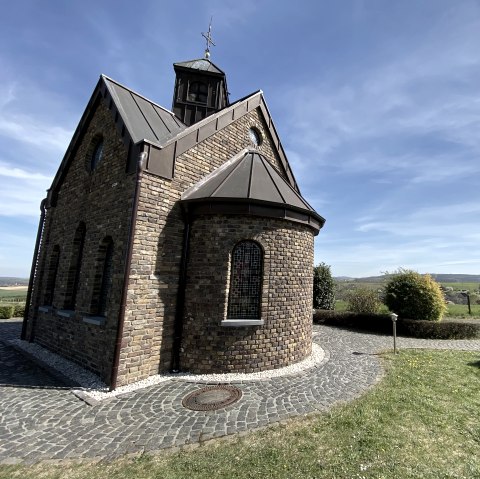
(200, 64)
(250, 178)
(144, 119)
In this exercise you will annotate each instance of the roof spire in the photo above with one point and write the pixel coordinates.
(208, 37)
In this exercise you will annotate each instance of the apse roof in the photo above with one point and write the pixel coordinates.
(144, 119)
(250, 178)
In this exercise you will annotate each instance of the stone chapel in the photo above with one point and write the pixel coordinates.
(174, 240)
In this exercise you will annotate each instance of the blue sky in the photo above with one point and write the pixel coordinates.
(377, 104)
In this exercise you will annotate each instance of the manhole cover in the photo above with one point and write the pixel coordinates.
(211, 398)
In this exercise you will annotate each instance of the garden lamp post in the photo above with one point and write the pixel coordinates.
(394, 318)
(466, 293)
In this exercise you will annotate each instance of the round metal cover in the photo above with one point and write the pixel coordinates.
(211, 398)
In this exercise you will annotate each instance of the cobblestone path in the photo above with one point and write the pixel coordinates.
(40, 419)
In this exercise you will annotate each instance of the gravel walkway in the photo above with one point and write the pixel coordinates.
(40, 419)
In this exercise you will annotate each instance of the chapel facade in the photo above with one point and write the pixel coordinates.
(174, 240)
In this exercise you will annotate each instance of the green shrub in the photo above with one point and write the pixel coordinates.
(6, 311)
(19, 310)
(435, 330)
(323, 287)
(415, 296)
(379, 323)
(363, 300)
(382, 324)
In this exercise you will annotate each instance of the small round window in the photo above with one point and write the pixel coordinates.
(255, 136)
(97, 154)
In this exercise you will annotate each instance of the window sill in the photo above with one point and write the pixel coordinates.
(65, 313)
(95, 320)
(45, 309)
(236, 323)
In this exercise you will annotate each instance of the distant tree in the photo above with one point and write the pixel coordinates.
(323, 287)
(414, 296)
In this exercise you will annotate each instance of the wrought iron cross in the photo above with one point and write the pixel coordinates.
(208, 37)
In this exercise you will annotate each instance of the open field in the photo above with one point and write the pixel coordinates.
(421, 421)
(463, 286)
(13, 294)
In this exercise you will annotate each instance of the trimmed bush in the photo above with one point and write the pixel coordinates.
(363, 300)
(379, 323)
(323, 287)
(382, 324)
(415, 296)
(19, 310)
(6, 311)
(435, 330)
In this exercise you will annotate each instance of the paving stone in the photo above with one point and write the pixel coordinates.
(41, 420)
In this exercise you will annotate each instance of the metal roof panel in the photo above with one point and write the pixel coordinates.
(144, 119)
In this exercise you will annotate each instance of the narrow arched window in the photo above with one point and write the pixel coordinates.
(73, 276)
(244, 299)
(198, 92)
(52, 276)
(103, 278)
(94, 153)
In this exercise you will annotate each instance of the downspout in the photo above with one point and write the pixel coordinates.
(182, 284)
(128, 262)
(32, 274)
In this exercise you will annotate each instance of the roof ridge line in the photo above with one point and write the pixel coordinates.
(214, 173)
(239, 160)
(271, 177)
(106, 77)
(297, 193)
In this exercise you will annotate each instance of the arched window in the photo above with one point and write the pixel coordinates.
(52, 276)
(103, 278)
(94, 153)
(198, 92)
(244, 300)
(73, 276)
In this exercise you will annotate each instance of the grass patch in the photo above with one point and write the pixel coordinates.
(461, 311)
(421, 421)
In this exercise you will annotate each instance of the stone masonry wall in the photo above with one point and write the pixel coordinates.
(102, 199)
(152, 296)
(286, 335)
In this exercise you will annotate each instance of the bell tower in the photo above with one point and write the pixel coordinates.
(200, 88)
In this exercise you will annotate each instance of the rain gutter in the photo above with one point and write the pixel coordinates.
(32, 275)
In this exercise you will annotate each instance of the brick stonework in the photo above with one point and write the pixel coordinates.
(102, 199)
(286, 335)
(152, 295)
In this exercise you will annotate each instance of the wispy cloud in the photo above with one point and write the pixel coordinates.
(399, 114)
(18, 125)
(20, 197)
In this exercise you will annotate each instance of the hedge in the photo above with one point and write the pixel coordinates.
(6, 311)
(382, 323)
(443, 330)
(19, 310)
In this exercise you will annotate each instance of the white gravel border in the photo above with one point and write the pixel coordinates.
(93, 389)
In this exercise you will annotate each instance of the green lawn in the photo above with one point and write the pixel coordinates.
(421, 421)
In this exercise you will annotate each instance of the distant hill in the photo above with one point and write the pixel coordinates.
(11, 281)
(441, 278)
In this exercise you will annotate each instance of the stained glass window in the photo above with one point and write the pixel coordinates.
(245, 281)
